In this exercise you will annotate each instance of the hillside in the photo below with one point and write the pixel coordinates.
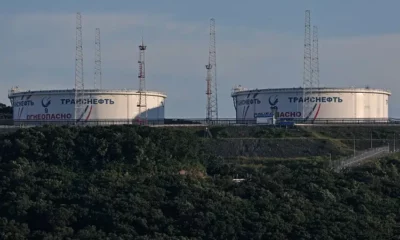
(123, 182)
(303, 142)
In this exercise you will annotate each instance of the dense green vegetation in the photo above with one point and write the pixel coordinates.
(127, 182)
(5, 111)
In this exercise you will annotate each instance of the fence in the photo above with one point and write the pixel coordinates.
(221, 121)
(338, 165)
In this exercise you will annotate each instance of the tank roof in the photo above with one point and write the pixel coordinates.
(241, 90)
(17, 91)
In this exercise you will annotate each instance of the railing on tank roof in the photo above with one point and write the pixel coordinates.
(238, 90)
(14, 91)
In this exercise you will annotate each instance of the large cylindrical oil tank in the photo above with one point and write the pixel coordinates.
(318, 103)
(96, 105)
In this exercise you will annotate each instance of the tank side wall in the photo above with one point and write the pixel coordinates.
(99, 106)
(324, 106)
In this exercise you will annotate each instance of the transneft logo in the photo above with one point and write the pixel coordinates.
(49, 116)
(46, 101)
(23, 103)
(87, 101)
(273, 100)
(315, 99)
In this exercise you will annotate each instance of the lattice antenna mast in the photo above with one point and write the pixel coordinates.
(209, 80)
(315, 58)
(307, 75)
(212, 86)
(79, 85)
(142, 104)
(97, 61)
(209, 91)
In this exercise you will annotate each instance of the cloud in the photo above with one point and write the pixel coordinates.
(41, 53)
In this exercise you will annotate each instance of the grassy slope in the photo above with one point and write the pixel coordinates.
(259, 142)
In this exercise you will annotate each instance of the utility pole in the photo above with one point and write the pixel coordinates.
(354, 146)
(371, 140)
(394, 142)
(330, 159)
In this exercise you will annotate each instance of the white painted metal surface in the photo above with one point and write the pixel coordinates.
(58, 105)
(327, 103)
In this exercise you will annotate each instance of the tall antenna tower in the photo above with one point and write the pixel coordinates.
(79, 86)
(307, 72)
(142, 104)
(212, 87)
(315, 58)
(97, 60)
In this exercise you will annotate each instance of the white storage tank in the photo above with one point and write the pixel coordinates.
(323, 103)
(99, 105)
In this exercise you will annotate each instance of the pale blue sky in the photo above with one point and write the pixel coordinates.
(259, 45)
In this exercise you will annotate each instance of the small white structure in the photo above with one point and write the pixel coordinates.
(267, 119)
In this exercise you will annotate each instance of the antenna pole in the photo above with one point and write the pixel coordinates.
(142, 104)
(211, 79)
(97, 61)
(79, 84)
(307, 72)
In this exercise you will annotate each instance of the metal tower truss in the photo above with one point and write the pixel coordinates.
(308, 84)
(211, 79)
(97, 61)
(209, 91)
(315, 58)
(79, 84)
(142, 104)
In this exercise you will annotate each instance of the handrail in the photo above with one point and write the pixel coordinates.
(343, 163)
(130, 91)
(242, 90)
(218, 122)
